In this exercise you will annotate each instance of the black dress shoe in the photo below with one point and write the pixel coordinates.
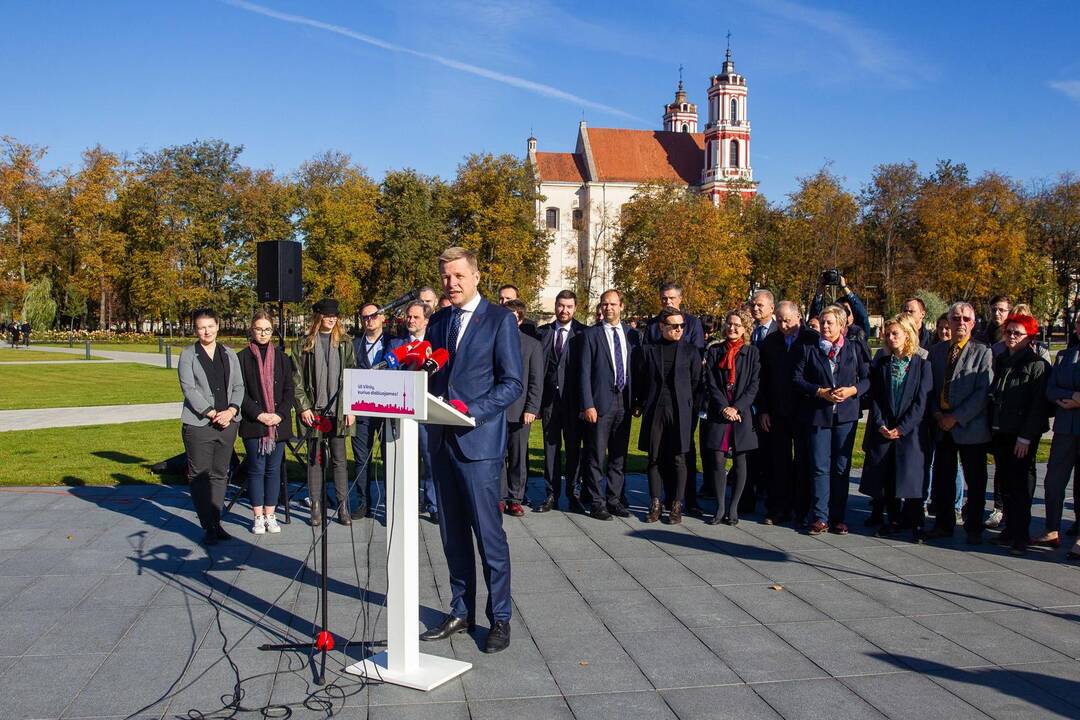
(450, 626)
(209, 538)
(499, 637)
(546, 506)
(220, 533)
(619, 511)
(433, 516)
(693, 511)
(601, 514)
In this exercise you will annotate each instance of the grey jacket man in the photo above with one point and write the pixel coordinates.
(968, 391)
(198, 396)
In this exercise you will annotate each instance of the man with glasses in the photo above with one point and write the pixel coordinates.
(1000, 308)
(370, 348)
(959, 408)
(665, 389)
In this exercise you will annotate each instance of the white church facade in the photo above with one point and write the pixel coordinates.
(583, 191)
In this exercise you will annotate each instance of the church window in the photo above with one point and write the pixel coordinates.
(734, 159)
(685, 127)
(734, 110)
(553, 218)
(683, 108)
(578, 219)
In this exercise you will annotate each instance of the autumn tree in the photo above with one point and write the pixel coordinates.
(1054, 233)
(670, 233)
(413, 214)
(888, 228)
(337, 221)
(22, 194)
(100, 246)
(492, 211)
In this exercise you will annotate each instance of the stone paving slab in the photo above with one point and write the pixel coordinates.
(125, 614)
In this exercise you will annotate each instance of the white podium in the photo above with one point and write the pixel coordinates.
(402, 397)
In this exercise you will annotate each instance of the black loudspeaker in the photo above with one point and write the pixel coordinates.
(280, 276)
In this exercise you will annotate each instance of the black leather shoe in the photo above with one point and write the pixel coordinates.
(209, 538)
(499, 637)
(601, 514)
(359, 513)
(433, 516)
(451, 626)
(546, 506)
(220, 533)
(693, 511)
(619, 511)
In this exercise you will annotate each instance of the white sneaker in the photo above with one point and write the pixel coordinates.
(272, 524)
(258, 526)
(994, 520)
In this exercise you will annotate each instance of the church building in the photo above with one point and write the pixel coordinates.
(584, 191)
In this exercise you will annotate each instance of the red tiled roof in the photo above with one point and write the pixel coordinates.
(644, 155)
(560, 167)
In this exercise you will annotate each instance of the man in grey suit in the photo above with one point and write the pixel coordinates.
(959, 408)
(520, 415)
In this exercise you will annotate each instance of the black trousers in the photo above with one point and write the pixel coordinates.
(757, 480)
(209, 450)
(515, 469)
(1017, 485)
(667, 462)
(787, 461)
(606, 439)
(369, 430)
(339, 467)
(720, 482)
(690, 461)
(973, 460)
(562, 434)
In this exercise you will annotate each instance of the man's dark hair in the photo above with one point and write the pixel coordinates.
(420, 304)
(205, 312)
(517, 307)
(669, 312)
(670, 286)
(508, 286)
(367, 305)
(566, 295)
(1001, 298)
(916, 300)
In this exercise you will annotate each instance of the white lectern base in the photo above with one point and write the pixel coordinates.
(432, 671)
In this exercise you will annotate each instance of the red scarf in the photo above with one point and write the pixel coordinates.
(266, 384)
(727, 362)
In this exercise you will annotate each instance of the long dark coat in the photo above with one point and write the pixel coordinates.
(747, 379)
(908, 462)
(649, 380)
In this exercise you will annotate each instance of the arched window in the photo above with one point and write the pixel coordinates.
(685, 127)
(733, 160)
(712, 154)
(553, 218)
(734, 110)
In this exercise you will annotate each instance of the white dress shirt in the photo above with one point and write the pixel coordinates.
(466, 311)
(608, 332)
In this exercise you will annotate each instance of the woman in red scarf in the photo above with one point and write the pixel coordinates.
(266, 419)
(731, 373)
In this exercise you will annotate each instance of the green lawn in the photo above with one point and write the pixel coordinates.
(11, 355)
(44, 386)
(178, 344)
(111, 454)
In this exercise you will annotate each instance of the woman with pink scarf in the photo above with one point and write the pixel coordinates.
(266, 419)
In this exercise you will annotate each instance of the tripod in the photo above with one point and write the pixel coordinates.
(323, 640)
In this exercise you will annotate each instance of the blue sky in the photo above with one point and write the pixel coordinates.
(421, 84)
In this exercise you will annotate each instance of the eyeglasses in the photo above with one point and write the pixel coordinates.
(1014, 333)
(263, 331)
(365, 318)
(675, 326)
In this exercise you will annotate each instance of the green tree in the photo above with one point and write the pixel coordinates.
(413, 212)
(22, 194)
(39, 307)
(1054, 233)
(98, 242)
(492, 211)
(888, 227)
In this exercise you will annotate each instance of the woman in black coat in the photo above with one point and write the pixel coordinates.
(895, 444)
(732, 369)
(265, 419)
(665, 385)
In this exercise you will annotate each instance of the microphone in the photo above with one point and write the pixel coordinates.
(437, 361)
(403, 300)
(394, 359)
(416, 357)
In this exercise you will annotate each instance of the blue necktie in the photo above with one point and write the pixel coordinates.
(620, 371)
(759, 334)
(452, 333)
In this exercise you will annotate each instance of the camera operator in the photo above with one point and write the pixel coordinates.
(845, 296)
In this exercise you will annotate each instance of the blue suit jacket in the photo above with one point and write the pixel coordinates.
(485, 374)
(597, 374)
(812, 372)
(360, 347)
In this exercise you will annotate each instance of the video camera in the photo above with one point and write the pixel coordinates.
(830, 277)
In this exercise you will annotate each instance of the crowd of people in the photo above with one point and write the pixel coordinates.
(772, 400)
(17, 333)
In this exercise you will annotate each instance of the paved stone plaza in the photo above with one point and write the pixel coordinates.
(108, 605)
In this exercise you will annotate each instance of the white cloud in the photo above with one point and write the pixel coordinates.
(1069, 88)
(494, 75)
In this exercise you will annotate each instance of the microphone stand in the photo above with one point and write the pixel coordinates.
(323, 640)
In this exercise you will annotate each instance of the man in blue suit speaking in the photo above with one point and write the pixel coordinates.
(484, 373)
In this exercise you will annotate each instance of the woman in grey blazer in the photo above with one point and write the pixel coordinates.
(213, 388)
